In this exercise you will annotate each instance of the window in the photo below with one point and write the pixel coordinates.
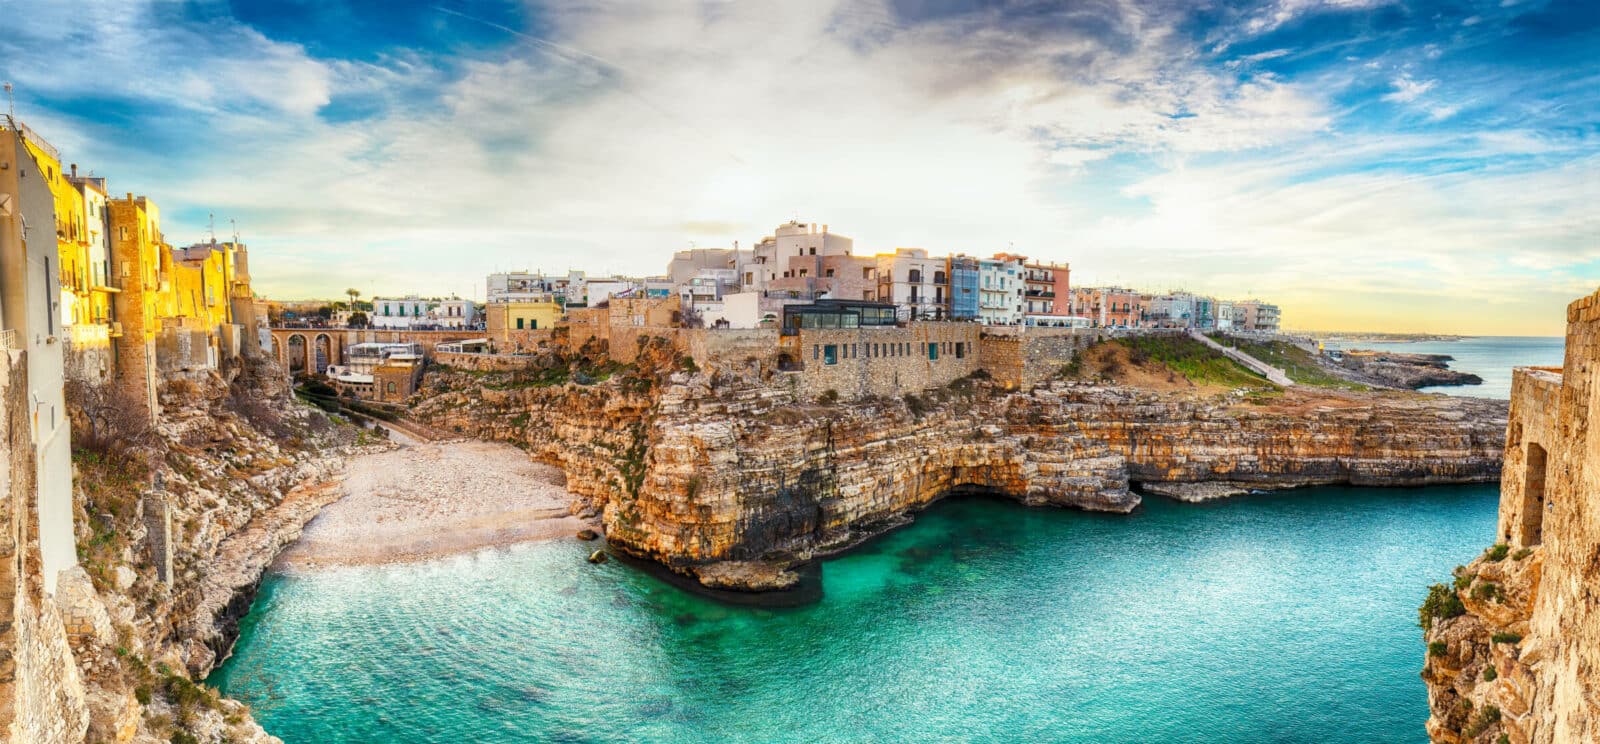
(816, 352)
(916, 278)
(933, 352)
(866, 272)
(391, 388)
(519, 324)
(813, 250)
(830, 354)
(853, 351)
(961, 351)
(827, 272)
(1533, 496)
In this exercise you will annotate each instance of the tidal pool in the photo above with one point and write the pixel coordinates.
(1287, 617)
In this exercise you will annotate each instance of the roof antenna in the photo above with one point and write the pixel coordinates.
(235, 224)
(211, 226)
(11, 104)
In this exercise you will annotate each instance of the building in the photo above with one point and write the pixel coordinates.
(1047, 288)
(142, 262)
(1000, 290)
(410, 311)
(520, 315)
(1109, 307)
(1256, 316)
(1176, 310)
(914, 283)
(31, 309)
(454, 313)
(964, 274)
(523, 285)
(794, 252)
(693, 263)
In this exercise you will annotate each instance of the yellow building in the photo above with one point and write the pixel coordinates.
(502, 318)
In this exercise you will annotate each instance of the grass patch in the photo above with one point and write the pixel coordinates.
(1489, 674)
(1438, 648)
(1300, 365)
(1201, 364)
(1498, 552)
(1506, 638)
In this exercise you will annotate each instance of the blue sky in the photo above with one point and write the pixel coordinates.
(1368, 164)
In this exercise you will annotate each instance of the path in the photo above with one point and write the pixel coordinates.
(1275, 375)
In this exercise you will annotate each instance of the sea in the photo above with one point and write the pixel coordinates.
(1276, 617)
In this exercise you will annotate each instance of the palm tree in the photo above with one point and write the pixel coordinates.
(354, 293)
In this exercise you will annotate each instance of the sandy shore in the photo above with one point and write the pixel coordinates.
(425, 500)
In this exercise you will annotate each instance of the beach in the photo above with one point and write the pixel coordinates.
(425, 500)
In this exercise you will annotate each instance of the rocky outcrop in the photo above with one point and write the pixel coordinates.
(1408, 371)
(704, 471)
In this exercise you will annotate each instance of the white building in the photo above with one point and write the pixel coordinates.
(914, 282)
(455, 313)
(525, 286)
(1000, 288)
(404, 312)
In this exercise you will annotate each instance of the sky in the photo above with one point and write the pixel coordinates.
(1388, 165)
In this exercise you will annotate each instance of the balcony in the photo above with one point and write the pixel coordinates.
(1041, 293)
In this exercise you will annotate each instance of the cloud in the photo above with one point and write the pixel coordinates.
(1407, 90)
(1098, 133)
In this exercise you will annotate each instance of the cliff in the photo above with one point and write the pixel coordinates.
(734, 481)
(176, 519)
(1513, 642)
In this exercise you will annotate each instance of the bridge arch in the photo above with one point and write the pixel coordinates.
(298, 353)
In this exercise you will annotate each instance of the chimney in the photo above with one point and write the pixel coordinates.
(130, 196)
(813, 228)
(74, 170)
(824, 229)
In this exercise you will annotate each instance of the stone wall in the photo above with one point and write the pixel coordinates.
(484, 362)
(755, 350)
(1031, 355)
(1524, 643)
(887, 362)
(42, 698)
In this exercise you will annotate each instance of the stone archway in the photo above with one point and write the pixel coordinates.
(324, 352)
(299, 354)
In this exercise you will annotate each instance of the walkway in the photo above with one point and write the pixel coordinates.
(1275, 375)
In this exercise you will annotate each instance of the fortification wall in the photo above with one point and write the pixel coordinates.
(1533, 432)
(755, 350)
(886, 362)
(484, 362)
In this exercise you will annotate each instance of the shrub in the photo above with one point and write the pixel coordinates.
(1489, 674)
(686, 363)
(1506, 638)
(1489, 591)
(1438, 648)
(1488, 715)
(1523, 553)
(1440, 604)
(183, 737)
(1464, 580)
(1498, 552)
(828, 397)
(142, 694)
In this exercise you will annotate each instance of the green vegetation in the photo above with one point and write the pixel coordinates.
(1498, 552)
(1300, 365)
(828, 397)
(1489, 591)
(1523, 553)
(1463, 580)
(1441, 604)
(1506, 638)
(1438, 648)
(1489, 674)
(1202, 364)
(1488, 715)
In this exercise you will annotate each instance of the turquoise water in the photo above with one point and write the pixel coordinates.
(1269, 618)
(1489, 357)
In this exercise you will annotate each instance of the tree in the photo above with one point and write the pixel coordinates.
(358, 319)
(325, 312)
(354, 293)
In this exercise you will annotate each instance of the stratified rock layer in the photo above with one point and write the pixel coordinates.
(695, 475)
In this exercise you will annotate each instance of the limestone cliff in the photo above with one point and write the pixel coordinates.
(176, 519)
(700, 470)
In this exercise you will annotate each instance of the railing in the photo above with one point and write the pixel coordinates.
(8, 340)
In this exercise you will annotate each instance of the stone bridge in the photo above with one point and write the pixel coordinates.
(313, 349)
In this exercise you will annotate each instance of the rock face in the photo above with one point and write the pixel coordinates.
(703, 469)
(175, 523)
(1514, 642)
